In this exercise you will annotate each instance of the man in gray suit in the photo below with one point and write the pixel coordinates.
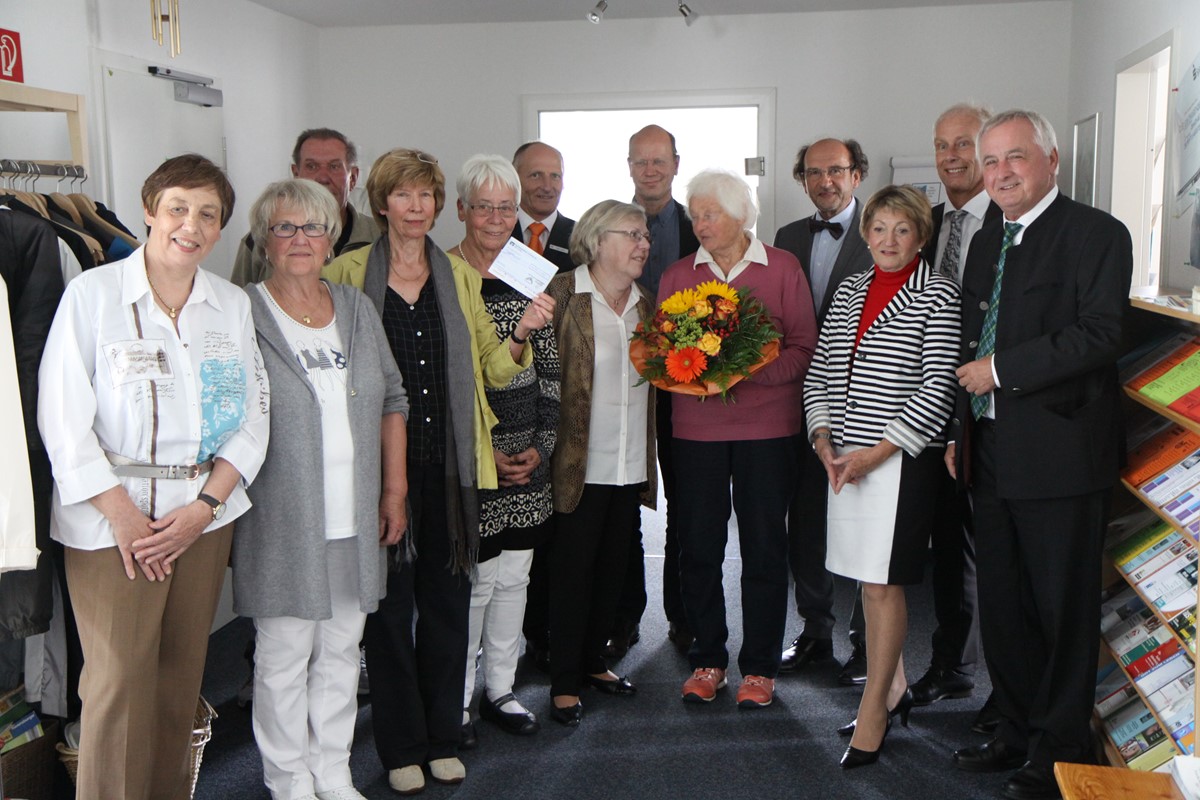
(830, 249)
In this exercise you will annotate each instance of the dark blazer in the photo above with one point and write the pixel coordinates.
(557, 246)
(852, 259)
(1058, 336)
(688, 243)
(929, 251)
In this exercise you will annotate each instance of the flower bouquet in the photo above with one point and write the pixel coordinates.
(703, 341)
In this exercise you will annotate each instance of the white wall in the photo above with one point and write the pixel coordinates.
(1103, 33)
(264, 62)
(455, 89)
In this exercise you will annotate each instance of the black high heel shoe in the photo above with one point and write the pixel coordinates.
(902, 709)
(853, 757)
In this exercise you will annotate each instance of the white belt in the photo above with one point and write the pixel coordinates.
(128, 468)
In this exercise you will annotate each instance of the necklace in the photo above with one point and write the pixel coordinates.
(172, 311)
(615, 303)
(305, 318)
(463, 254)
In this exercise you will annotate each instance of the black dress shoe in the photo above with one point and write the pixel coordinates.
(941, 684)
(469, 740)
(569, 716)
(853, 757)
(901, 710)
(854, 673)
(805, 650)
(521, 723)
(621, 686)
(993, 756)
(1032, 782)
(988, 718)
(681, 636)
(626, 635)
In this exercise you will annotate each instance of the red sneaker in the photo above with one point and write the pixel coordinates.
(756, 692)
(703, 685)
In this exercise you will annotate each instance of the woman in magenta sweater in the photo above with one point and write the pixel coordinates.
(750, 441)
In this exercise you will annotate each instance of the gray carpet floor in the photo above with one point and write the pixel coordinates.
(652, 745)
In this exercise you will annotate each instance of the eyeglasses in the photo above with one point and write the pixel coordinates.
(506, 210)
(835, 172)
(634, 236)
(286, 230)
(658, 163)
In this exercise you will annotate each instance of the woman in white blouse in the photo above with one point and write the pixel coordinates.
(603, 462)
(153, 408)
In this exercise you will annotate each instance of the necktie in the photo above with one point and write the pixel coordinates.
(815, 226)
(987, 338)
(953, 252)
(535, 237)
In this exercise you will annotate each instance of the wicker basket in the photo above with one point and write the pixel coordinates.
(29, 769)
(201, 734)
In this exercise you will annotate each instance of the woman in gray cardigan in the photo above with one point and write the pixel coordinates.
(309, 557)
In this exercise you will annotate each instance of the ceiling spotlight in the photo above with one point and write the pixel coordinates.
(596, 14)
(689, 16)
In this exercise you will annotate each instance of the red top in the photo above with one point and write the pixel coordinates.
(881, 291)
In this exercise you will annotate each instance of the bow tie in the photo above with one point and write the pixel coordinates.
(815, 226)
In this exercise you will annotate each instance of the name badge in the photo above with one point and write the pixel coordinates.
(137, 360)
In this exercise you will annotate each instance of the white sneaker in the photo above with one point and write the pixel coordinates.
(447, 770)
(407, 780)
(341, 793)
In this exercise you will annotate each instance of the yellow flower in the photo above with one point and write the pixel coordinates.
(679, 302)
(710, 344)
(701, 309)
(719, 288)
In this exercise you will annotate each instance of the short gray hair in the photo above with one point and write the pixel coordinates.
(487, 170)
(1043, 131)
(585, 238)
(981, 113)
(730, 191)
(314, 200)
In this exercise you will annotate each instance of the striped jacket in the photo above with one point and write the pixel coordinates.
(900, 383)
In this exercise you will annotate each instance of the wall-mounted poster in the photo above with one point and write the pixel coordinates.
(1083, 173)
(1187, 123)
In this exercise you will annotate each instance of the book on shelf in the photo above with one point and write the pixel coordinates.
(1151, 359)
(1179, 720)
(1184, 625)
(14, 735)
(1135, 732)
(1155, 757)
(1173, 481)
(1139, 661)
(1172, 547)
(1121, 528)
(1180, 690)
(1169, 375)
(1170, 670)
(1129, 634)
(1133, 550)
(1159, 453)
(1184, 511)
(1172, 588)
(1113, 690)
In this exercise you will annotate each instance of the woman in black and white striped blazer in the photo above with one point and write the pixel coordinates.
(878, 395)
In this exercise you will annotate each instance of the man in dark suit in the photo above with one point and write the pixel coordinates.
(653, 164)
(539, 225)
(955, 223)
(830, 249)
(1037, 438)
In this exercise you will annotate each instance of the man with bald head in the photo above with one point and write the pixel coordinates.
(539, 225)
(830, 249)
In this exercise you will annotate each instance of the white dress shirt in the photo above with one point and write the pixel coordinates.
(526, 221)
(825, 250)
(756, 253)
(617, 429)
(116, 377)
(976, 207)
(18, 548)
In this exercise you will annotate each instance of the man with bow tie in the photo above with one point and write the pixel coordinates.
(830, 250)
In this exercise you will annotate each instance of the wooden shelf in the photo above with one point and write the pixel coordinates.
(1145, 701)
(1161, 410)
(19, 97)
(1145, 304)
(1087, 782)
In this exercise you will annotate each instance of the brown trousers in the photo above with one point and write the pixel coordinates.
(144, 645)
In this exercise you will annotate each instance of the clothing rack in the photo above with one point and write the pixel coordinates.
(18, 97)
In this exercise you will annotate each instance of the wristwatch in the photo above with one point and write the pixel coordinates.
(218, 508)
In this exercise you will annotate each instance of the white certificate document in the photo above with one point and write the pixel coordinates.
(522, 269)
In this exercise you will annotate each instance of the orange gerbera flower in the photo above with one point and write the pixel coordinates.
(686, 364)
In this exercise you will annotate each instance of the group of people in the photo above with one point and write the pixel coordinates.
(421, 459)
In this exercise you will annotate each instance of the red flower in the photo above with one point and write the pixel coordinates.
(686, 364)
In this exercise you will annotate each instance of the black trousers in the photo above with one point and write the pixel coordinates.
(417, 640)
(588, 558)
(763, 474)
(536, 625)
(956, 639)
(1039, 610)
(806, 552)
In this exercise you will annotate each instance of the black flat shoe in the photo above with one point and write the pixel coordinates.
(805, 650)
(993, 756)
(902, 709)
(620, 686)
(854, 673)
(468, 739)
(516, 722)
(941, 684)
(1032, 782)
(853, 757)
(570, 716)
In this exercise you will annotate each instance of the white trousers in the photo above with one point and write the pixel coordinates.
(497, 611)
(306, 687)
